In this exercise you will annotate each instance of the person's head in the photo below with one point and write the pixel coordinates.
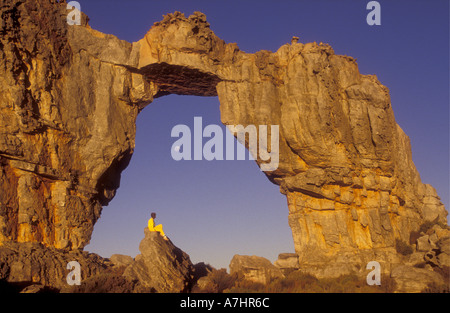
(153, 215)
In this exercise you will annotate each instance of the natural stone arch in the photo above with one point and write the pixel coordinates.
(346, 187)
(68, 131)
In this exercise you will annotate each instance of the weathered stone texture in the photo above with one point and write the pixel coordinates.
(161, 265)
(255, 268)
(70, 95)
(345, 165)
(68, 105)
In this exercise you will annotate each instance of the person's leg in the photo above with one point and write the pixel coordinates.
(159, 228)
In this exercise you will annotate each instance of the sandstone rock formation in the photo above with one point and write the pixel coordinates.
(31, 264)
(67, 123)
(413, 279)
(255, 268)
(161, 265)
(121, 260)
(70, 95)
(287, 262)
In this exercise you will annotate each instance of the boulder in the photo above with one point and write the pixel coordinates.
(423, 244)
(413, 279)
(161, 265)
(436, 245)
(255, 268)
(121, 259)
(287, 262)
(443, 260)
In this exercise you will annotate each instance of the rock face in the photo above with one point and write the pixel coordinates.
(27, 264)
(70, 95)
(344, 164)
(67, 123)
(161, 265)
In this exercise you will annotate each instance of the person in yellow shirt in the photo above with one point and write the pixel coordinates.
(158, 228)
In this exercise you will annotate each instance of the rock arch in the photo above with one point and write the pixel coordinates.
(70, 97)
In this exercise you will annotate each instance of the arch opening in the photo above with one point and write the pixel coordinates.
(210, 209)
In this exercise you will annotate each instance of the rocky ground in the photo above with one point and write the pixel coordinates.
(163, 267)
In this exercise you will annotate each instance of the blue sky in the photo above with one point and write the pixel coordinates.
(213, 210)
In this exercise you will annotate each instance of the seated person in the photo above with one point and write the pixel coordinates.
(157, 228)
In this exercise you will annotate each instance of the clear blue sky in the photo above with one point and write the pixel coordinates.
(213, 210)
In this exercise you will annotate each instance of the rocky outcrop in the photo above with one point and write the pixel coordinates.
(161, 265)
(254, 268)
(121, 260)
(413, 279)
(70, 95)
(287, 262)
(344, 163)
(68, 104)
(435, 243)
(31, 266)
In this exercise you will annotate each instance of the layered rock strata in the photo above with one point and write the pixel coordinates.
(68, 105)
(344, 163)
(70, 95)
(26, 265)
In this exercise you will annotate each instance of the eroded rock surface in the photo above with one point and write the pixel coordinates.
(31, 264)
(255, 268)
(345, 165)
(161, 265)
(70, 95)
(68, 105)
